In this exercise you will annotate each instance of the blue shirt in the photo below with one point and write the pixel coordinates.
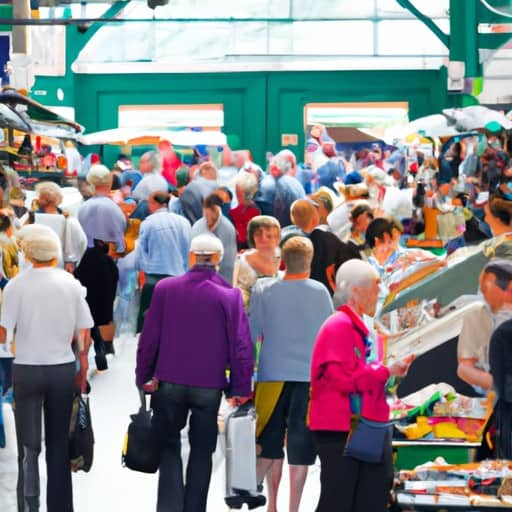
(287, 314)
(288, 190)
(102, 219)
(164, 244)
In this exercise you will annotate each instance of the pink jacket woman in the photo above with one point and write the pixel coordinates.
(339, 369)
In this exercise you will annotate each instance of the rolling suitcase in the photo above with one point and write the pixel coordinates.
(241, 481)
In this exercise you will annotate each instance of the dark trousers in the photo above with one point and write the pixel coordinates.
(348, 485)
(49, 389)
(171, 405)
(145, 296)
(5, 374)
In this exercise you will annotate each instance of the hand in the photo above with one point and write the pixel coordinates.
(400, 368)
(150, 386)
(237, 401)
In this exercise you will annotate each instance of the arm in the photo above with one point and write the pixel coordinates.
(147, 350)
(75, 241)
(240, 349)
(185, 244)
(255, 300)
(468, 372)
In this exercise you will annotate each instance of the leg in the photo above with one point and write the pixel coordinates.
(57, 416)
(170, 416)
(29, 393)
(374, 483)
(298, 475)
(338, 475)
(271, 442)
(204, 405)
(299, 445)
(273, 473)
(99, 349)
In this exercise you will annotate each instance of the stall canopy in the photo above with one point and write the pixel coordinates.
(22, 113)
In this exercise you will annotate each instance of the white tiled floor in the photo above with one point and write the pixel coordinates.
(109, 486)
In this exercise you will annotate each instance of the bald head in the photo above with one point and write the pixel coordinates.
(304, 215)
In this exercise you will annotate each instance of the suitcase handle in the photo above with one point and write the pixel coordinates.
(243, 410)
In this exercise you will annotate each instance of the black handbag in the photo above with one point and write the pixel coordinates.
(81, 435)
(141, 450)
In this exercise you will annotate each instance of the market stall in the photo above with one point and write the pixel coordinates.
(438, 485)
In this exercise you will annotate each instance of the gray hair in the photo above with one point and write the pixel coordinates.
(248, 184)
(99, 175)
(51, 190)
(353, 274)
(154, 160)
(283, 164)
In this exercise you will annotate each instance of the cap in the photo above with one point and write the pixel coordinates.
(207, 244)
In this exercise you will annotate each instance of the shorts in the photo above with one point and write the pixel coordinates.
(289, 419)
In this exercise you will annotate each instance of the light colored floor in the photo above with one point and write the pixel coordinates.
(109, 486)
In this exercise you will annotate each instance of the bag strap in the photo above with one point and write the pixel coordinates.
(355, 398)
(142, 396)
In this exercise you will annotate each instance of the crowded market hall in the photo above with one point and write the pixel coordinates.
(255, 255)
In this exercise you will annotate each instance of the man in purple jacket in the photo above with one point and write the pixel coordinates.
(194, 329)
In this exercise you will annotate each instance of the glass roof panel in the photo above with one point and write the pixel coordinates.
(267, 30)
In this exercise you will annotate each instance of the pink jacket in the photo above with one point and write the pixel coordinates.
(338, 369)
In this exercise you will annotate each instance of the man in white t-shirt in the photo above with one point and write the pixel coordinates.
(46, 306)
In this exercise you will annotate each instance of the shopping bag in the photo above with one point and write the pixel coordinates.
(367, 439)
(81, 435)
(141, 450)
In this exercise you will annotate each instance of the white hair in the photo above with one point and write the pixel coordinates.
(247, 183)
(154, 159)
(39, 242)
(353, 274)
(50, 190)
(99, 175)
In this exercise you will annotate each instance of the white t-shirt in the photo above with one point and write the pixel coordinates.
(46, 306)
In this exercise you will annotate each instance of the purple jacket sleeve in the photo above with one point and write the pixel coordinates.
(240, 348)
(149, 341)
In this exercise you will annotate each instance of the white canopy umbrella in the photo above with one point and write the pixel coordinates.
(436, 125)
(138, 137)
(478, 116)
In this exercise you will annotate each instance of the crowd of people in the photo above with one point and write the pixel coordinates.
(275, 274)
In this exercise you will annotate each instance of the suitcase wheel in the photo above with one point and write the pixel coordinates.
(237, 502)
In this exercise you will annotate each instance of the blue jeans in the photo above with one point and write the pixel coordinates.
(172, 404)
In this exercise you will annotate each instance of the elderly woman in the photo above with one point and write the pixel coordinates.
(68, 229)
(46, 306)
(262, 260)
(342, 371)
(246, 185)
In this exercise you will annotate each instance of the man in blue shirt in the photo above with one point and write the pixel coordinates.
(287, 314)
(162, 249)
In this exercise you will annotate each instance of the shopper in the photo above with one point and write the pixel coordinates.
(194, 329)
(45, 305)
(287, 314)
(163, 247)
(341, 368)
